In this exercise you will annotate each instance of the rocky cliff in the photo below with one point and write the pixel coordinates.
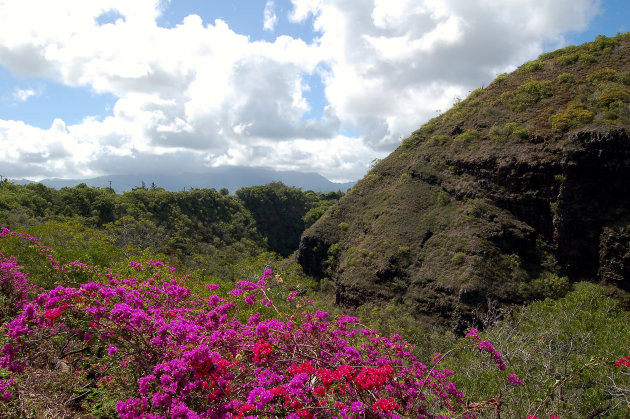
(509, 196)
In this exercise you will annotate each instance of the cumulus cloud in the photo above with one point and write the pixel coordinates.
(395, 63)
(199, 94)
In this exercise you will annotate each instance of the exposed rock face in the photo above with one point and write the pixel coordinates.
(495, 199)
(594, 194)
(560, 207)
(614, 256)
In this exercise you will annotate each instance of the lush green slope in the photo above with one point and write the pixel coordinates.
(501, 198)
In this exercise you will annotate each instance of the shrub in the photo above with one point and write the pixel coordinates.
(566, 78)
(511, 130)
(602, 42)
(466, 138)
(439, 139)
(475, 93)
(564, 351)
(500, 78)
(586, 60)
(528, 94)
(606, 75)
(573, 116)
(533, 66)
(458, 259)
(613, 95)
(155, 349)
(567, 59)
(372, 179)
(411, 141)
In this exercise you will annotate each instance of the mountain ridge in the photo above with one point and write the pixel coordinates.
(232, 178)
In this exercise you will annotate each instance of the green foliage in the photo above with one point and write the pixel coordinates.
(439, 139)
(394, 318)
(511, 130)
(528, 94)
(443, 198)
(614, 95)
(411, 141)
(568, 59)
(573, 116)
(475, 93)
(466, 138)
(499, 79)
(563, 350)
(372, 178)
(533, 66)
(458, 259)
(586, 60)
(566, 78)
(603, 42)
(201, 229)
(559, 52)
(317, 204)
(75, 241)
(333, 255)
(605, 75)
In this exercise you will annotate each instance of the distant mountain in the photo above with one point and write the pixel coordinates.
(232, 178)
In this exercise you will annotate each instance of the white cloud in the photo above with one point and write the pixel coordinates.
(395, 63)
(270, 17)
(199, 94)
(22, 95)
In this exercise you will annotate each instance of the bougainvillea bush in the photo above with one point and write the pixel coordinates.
(144, 345)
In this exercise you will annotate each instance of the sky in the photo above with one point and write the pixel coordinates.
(90, 88)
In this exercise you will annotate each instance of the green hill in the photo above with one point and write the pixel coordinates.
(509, 196)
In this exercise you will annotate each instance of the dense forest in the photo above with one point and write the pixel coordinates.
(434, 288)
(199, 228)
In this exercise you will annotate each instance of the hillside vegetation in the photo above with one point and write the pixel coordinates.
(479, 271)
(143, 339)
(510, 196)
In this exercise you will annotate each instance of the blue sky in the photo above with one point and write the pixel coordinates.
(313, 85)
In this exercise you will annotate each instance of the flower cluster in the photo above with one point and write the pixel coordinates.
(623, 362)
(485, 346)
(200, 357)
(5, 392)
(515, 381)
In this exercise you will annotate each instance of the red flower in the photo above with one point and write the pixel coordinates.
(370, 377)
(386, 405)
(262, 349)
(52, 314)
(306, 368)
(319, 391)
(623, 362)
(278, 391)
